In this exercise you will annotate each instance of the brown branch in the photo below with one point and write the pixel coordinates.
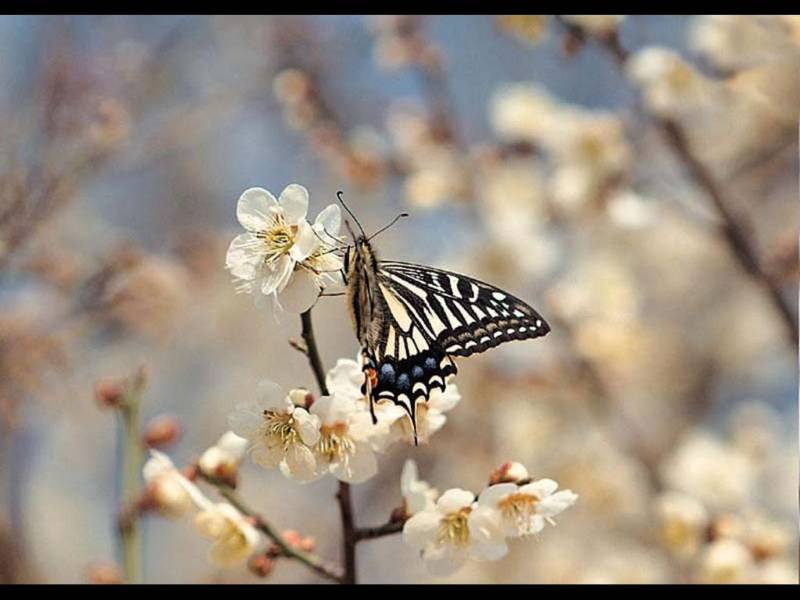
(343, 494)
(371, 533)
(734, 227)
(310, 560)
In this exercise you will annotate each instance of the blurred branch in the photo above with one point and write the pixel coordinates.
(734, 227)
(371, 533)
(312, 561)
(129, 469)
(343, 494)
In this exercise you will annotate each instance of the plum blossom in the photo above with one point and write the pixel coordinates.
(343, 447)
(448, 533)
(235, 538)
(223, 458)
(280, 433)
(281, 253)
(523, 509)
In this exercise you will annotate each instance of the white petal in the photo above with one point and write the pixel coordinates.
(158, 464)
(494, 493)
(345, 379)
(305, 240)
(409, 476)
(254, 209)
(421, 529)
(328, 223)
(552, 505)
(446, 400)
(276, 278)
(272, 397)
(232, 444)
(454, 499)
(541, 488)
(265, 456)
(445, 564)
(358, 467)
(244, 256)
(300, 464)
(301, 292)
(294, 202)
(492, 549)
(246, 418)
(307, 426)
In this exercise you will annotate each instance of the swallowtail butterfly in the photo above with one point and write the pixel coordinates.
(411, 320)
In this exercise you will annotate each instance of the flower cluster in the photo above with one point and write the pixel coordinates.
(172, 494)
(455, 526)
(307, 437)
(281, 255)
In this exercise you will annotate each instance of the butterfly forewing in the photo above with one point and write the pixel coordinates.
(459, 314)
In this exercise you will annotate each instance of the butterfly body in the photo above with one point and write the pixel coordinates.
(411, 319)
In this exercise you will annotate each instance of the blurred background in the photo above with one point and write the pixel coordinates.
(634, 179)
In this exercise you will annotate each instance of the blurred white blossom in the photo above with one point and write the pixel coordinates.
(224, 456)
(598, 24)
(725, 561)
(683, 522)
(235, 538)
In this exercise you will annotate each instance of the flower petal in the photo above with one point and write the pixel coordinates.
(246, 418)
(276, 278)
(307, 425)
(254, 209)
(357, 467)
(266, 456)
(421, 529)
(454, 499)
(328, 223)
(300, 464)
(294, 202)
(305, 240)
(244, 256)
(300, 293)
(558, 502)
(494, 493)
(409, 475)
(271, 396)
(445, 564)
(541, 488)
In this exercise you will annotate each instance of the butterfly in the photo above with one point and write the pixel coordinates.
(411, 320)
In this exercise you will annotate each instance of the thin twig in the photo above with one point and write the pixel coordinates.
(734, 227)
(371, 533)
(310, 560)
(343, 494)
(131, 462)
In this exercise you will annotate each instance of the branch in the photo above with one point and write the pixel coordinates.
(733, 226)
(343, 495)
(312, 561)
(371, 533)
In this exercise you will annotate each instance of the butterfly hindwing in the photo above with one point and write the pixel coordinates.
(459, 314)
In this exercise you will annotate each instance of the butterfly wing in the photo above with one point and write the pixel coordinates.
(426, 316)
(459, 314)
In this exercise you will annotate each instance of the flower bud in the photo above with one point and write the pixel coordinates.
(162, 431)
(260, 565)
(166, 495)
(308, 544)
(508, 472)
(292, 537)
(104, 572)
(110, 391)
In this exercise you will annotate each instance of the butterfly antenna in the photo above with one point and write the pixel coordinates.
(350, 212)
(385, 227)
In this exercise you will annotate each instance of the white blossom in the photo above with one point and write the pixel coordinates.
(168, 490)
(448, 533)
(224, 456)
(683, 522)
(280, 434)
(343, 448)
(234, 536)
(523, 509)
(725, 561)
(281, 253)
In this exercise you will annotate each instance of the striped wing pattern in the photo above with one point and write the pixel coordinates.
(437, 314)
